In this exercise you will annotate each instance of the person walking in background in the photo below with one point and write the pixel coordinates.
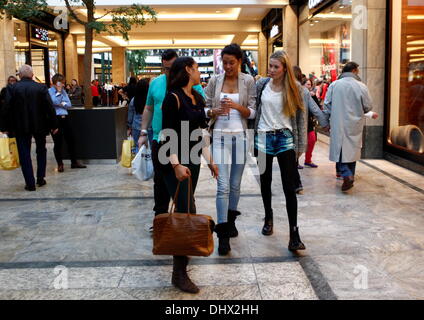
(131, 89)
(95, 93)
(61, 104)
(152, 117)
(346, 103)
(312, 110)
(314, 113)
(183, 105)
(31, 113)
(280, 131)
(10, 82)
(135, 111)
(75, 93)
(231, 100)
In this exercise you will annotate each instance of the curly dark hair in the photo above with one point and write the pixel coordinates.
(233, 50)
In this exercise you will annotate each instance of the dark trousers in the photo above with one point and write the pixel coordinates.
(64, 133)
(298, 181)
(160, 191)
(182, 200)
(288, 169)
(96, 101)
(24, 150)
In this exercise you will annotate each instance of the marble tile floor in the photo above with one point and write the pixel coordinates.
(368, 244)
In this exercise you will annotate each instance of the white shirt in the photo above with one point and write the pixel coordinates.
(232, 122)
(272, 117)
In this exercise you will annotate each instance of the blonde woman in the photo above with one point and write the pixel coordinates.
(280, 132)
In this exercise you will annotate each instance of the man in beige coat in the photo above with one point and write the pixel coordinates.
(346, 103)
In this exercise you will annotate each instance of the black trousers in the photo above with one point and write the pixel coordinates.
(64, 133)
(298, 183)
(171, 182)
(96, 101)
(160, 190)
(288, 170)
(24, 150)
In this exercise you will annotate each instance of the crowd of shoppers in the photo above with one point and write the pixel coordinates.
(282, 109)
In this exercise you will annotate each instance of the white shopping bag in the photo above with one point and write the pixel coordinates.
(142, 165)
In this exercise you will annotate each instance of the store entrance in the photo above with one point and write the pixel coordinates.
(40, 64)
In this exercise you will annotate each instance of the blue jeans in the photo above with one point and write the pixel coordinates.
(229, 154)
(136, 135)
(346, 169)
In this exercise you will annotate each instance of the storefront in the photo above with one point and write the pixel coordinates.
(326, 38)
(405, 81)
(38, 44)
(272, 27)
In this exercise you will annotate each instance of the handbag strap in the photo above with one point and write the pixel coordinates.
(174, 201)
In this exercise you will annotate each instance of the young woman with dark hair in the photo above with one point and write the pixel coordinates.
(183, 107)
(231, 101)
(135, 111)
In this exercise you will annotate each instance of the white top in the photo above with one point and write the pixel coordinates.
(272, 117)
(232, 122)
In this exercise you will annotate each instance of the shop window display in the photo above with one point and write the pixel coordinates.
(406, 127)
(325, 42)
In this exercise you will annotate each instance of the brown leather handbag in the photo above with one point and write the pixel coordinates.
(183, 234)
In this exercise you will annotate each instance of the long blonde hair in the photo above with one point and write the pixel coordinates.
(291, 95)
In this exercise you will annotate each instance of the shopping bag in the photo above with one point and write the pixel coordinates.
(127, 155)
(142, 165)
(9, 157)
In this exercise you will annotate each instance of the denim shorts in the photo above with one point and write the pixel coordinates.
(274, 143)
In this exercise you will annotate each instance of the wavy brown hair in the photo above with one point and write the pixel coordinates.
(291, 94)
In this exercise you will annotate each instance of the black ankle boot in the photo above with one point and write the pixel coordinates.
(180, 277)
(222, 230)
(232, 216)
(295, 243)
(268, 228)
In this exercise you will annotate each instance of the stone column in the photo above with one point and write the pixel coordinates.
(373, 73)
(291, 33)
(71, 57)
(119, 65)
(7, 51)
(262, 55)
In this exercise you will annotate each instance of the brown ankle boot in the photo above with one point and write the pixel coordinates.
(180, 277)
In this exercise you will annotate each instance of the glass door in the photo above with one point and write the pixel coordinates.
(40, 64)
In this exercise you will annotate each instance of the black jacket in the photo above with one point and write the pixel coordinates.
(29, 109)
(3, 120)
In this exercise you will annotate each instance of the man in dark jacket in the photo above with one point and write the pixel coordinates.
(10, 82)
(29, 112)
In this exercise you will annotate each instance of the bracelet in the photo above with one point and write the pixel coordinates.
(173, 167)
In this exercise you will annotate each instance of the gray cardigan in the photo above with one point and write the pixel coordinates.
(247, 91)
(298, 122)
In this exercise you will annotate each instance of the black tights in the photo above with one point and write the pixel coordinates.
(287, 163)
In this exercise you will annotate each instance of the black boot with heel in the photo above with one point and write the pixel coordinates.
(295, 243)
(222, 230)
(232, 216)
(180, 277)
(268, 228)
